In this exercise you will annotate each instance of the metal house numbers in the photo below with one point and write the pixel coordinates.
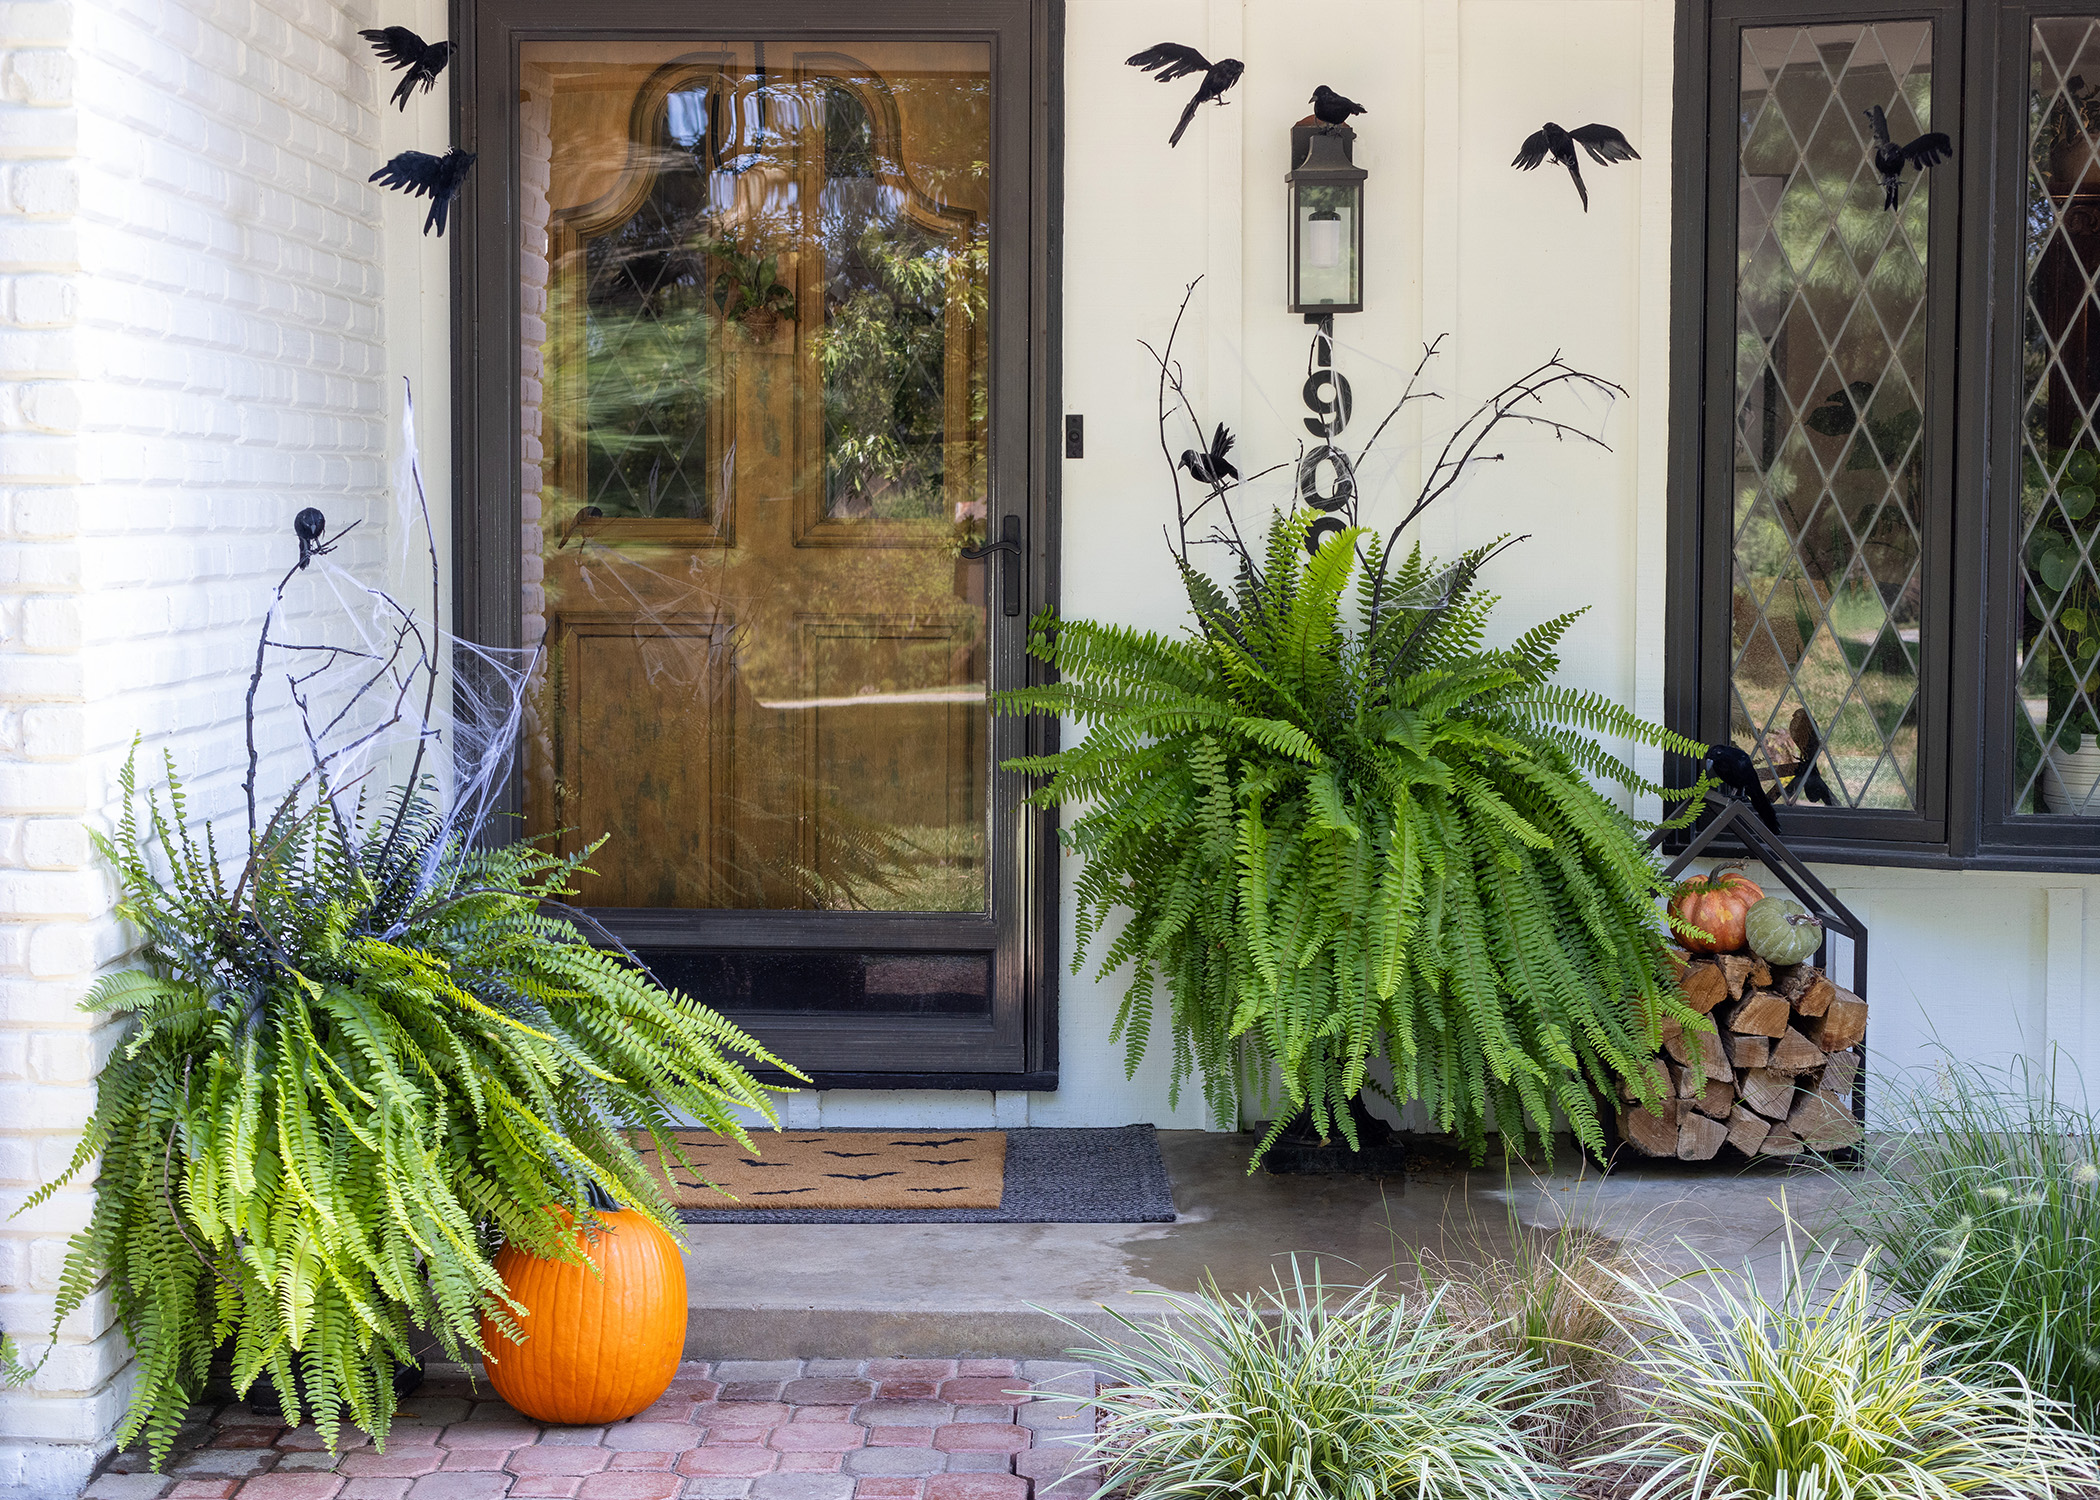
(1327, 396)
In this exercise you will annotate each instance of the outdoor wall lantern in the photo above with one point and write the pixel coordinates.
(1327, 222)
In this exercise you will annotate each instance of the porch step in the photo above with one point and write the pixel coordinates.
(856, 1291)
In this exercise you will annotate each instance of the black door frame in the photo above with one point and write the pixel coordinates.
(1018, 1048)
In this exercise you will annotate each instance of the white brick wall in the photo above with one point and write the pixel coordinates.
(191, 348)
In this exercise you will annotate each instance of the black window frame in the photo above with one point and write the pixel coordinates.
(1019, 1049)
(1972, 488)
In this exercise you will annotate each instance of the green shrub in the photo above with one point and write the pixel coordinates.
(354, 1073)
(1995, 1175)
(1815, 1395)
(1343, 827)
(1286, 1397)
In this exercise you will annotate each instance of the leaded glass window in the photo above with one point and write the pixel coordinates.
(2056, 747)
(1830, 371)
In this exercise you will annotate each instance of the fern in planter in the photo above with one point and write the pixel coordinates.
(363, 1061)
(1342, 828)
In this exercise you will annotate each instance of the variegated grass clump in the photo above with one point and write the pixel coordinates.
(1825, 1395)
(1317, 1392)
(1997, 1175)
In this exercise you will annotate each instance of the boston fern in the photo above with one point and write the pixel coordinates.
(1343, 828)
(350, 1081)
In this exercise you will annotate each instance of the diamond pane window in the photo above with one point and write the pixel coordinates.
(1830, 339)
(2056, 760)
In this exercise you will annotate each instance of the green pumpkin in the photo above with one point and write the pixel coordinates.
(1781, 931)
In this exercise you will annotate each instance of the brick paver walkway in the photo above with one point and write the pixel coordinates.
(878, 1429)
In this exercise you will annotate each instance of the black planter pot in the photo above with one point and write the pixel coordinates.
(1299, 1152)
(262, 1396)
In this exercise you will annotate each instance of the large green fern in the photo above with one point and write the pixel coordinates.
(1337, 842)
(354, 1074)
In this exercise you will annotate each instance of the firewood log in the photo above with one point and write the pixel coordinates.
(1735, 968)
(1663, 1083)
(1823, 1122)
(1760, 1013)
(1747, 1131)
(1704, 986)
(1699, 1138)
(1717, 1098)
(1781, 1142)
(1807, 989)
(1749, 1051)
(1843, 1025)
(1770, 1094)
(1796, 1054)
(1842, 1073)
(1650, 1132)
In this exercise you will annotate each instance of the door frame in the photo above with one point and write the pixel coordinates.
(1018, 1050)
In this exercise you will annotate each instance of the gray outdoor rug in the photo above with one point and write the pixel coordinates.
(1053, 1176)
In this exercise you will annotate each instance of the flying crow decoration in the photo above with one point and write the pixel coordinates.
(1212, 467)
(1605, 144)
(1172, 60)
(398, 47)
(1890, 159)
(1330, 108)
(419, 174)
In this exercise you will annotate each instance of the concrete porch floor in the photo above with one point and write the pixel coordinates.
(839, 1291)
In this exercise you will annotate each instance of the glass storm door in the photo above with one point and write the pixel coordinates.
(762, 410)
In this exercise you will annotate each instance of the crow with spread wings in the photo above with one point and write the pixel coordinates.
(419, 174)
(1605, 144)
(398, 47)
(1171, 60)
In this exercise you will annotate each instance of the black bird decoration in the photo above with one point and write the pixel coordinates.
(398, 47)
(1211, 467)
(308, 526)
(1330, 108)
(419, 174)
(1890, 159)
(1605, 144)
(1172, 60)
(1807, 782)
(1738, 773)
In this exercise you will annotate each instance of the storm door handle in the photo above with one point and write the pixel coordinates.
(1009, 545)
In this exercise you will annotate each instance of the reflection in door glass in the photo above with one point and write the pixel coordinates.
(1830, 357)
(754, 417)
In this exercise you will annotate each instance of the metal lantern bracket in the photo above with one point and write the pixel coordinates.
(1734, 816)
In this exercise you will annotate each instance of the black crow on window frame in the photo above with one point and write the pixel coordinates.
(1172, 60)
(398, 47)
(1605, 144)
(1890, 159)
(1738, 775)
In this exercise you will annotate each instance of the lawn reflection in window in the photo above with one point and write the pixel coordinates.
(1830, 371)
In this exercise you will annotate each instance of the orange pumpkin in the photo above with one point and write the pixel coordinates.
(1716, 905)
(597, 1349)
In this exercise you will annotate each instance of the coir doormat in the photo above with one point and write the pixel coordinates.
(1038, 1176)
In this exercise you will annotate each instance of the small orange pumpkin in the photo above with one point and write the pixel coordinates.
(597, 1348)
(1717, 905)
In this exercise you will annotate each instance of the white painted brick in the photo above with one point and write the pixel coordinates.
(53, 843)
(42, 191)
(36, 75)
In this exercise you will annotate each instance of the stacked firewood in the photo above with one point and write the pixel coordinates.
(1773, 1077)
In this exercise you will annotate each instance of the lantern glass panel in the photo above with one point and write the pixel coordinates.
(1326, 226)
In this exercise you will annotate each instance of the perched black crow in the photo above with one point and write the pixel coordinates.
(1890, 158)
(1738, 773)
(1605, 144)
(308, 526)
(419, 174)
(1330, 108)
(1211, 468)
(1172, 60)
(398, 47)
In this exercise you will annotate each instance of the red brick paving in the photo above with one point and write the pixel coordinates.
(742, 1439)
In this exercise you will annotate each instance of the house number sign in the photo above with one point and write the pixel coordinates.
(1327, 397)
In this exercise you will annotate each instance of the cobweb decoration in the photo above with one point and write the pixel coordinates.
(402, 721)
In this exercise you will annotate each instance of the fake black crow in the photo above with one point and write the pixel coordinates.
(419, 174)
(308, 526)
(1890, 159)
(1738, 774)
(1605, 144)
(398, 47)
(1212, 467)
(1330, 108)
(1172, 60)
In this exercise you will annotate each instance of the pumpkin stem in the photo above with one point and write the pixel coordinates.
(1803, 919)
(599, 1199)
